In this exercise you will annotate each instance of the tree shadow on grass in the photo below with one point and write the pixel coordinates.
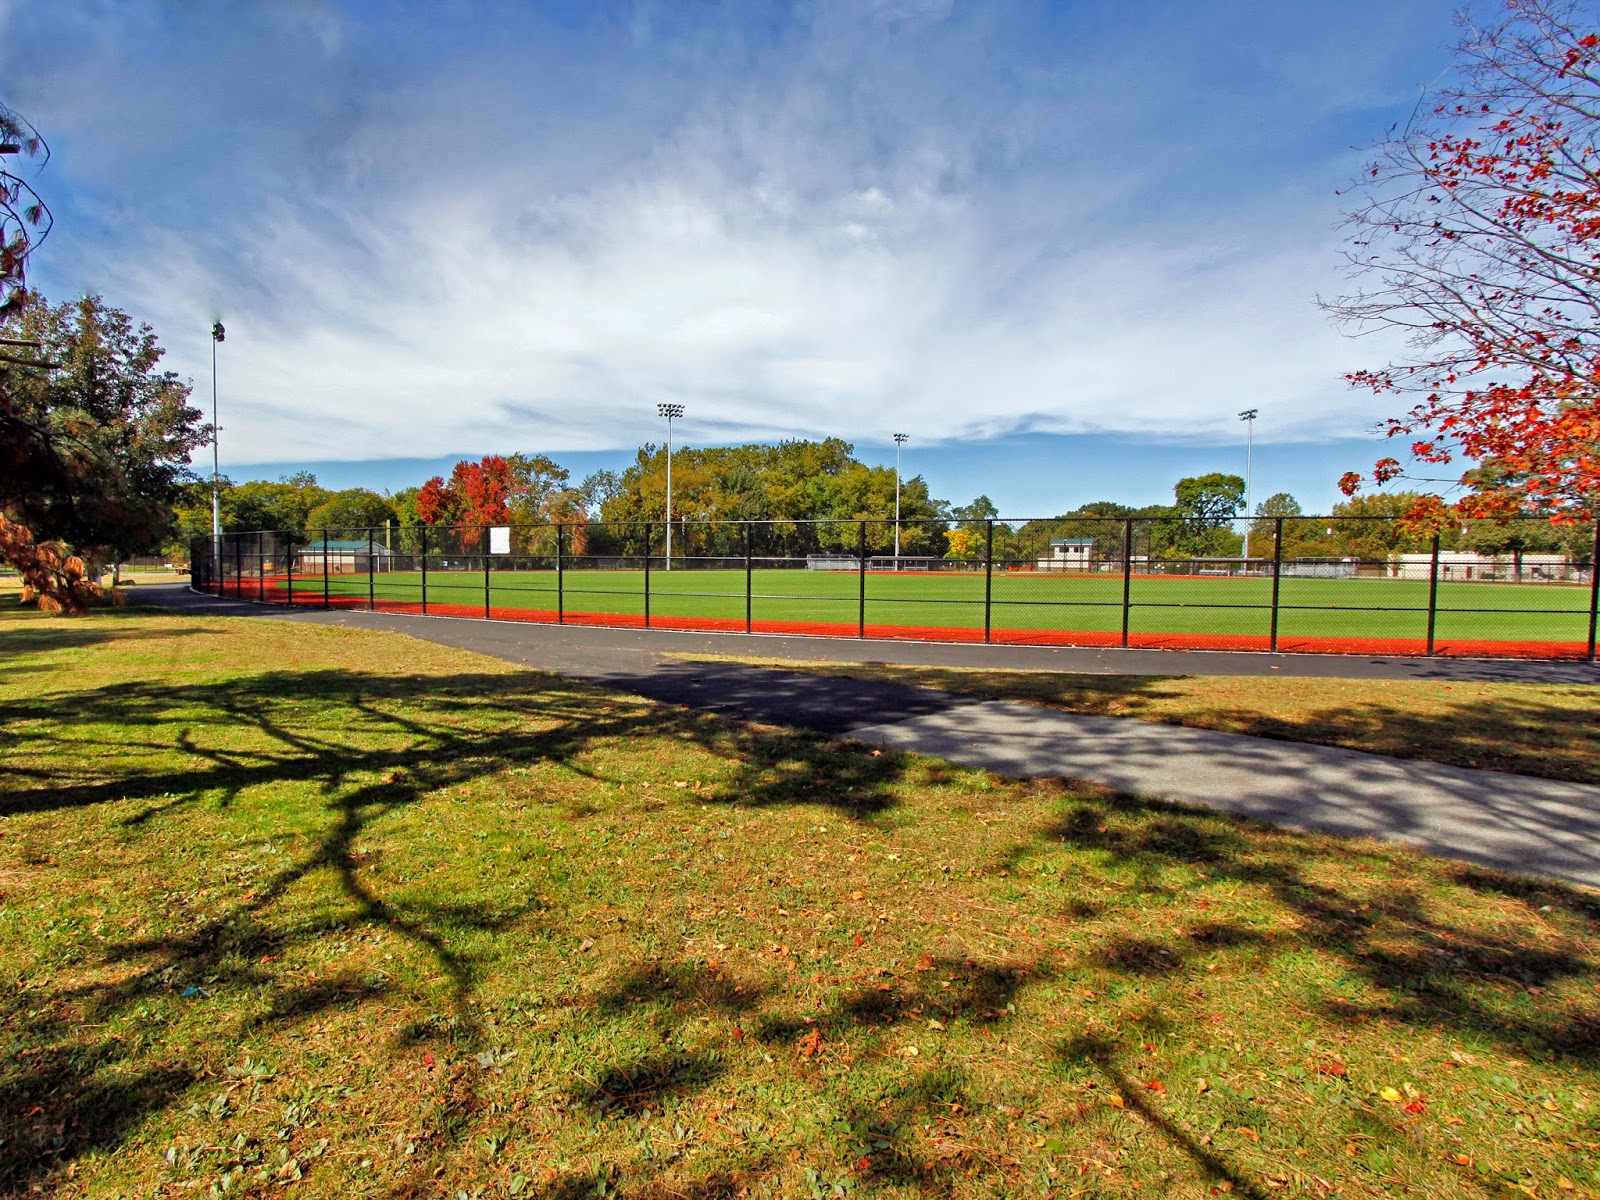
(1527, 733)
(370, 746)
(44, 635)
(1429, 972)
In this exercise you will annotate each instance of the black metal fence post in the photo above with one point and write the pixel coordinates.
(1433, 593)
(261, 568)
(1594, 586)
(1277, 576)
(988, 577)
(422, 558)
(647, 574)
(238, 567)
(485, 541)
(861, 600)
(288, 567)
(749, 584)
(324, 568)
(372, 572)
(1127, 577)
(561, 580)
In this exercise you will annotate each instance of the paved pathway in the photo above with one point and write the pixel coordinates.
(1507, 821)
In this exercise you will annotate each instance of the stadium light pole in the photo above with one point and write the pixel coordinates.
(1248, 416)
(217, 334)
(671, 412)
(899, 440)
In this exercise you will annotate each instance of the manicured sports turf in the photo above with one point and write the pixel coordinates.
(1362, 615)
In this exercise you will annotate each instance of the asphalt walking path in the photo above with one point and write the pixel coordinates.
(1511, 822)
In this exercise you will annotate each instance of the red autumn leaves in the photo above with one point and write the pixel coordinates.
(479, 493)
(1479, 228)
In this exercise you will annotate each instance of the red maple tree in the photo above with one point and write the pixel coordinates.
(479, 493)
(1477, 233)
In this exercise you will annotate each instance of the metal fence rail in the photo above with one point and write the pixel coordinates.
(1519, 588)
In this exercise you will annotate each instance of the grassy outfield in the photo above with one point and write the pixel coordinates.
(1547, 730)
(1371, 608)
(331, 912)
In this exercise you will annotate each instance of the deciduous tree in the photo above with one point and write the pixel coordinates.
(1476, 232)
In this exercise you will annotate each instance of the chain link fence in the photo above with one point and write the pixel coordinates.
(1520, 588)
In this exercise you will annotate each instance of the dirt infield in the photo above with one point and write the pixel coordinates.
(1401, 647)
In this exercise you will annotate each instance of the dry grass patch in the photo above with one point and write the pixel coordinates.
(332, 912)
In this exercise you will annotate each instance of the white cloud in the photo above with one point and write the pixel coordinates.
(796, 256)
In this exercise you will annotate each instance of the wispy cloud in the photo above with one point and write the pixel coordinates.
(830, 222)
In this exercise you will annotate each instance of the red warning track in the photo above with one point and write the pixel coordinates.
(1400, 647)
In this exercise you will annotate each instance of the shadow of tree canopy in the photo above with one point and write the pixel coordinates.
(1429, 971)
(370, 745)
(1550, 734)
(25, 639)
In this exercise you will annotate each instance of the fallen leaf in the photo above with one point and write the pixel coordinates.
(1248, 1133)
(1115, 1101)
(925, 963)
(1391, 1095)
(1333, 1067)
(738, 1035)
(809, 1045)
(1200, 1085)
(1156, 1086)
(427, 1060)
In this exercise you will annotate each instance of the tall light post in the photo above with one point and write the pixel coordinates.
(671, 412)
(217, 334)
(1248, 416)
(899, 440)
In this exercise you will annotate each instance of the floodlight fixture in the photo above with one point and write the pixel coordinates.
(671, 412)
(1248, 416)
(217, 334)
(900, 439)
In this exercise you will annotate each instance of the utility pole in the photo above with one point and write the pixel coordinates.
(671, 412)
(899, 440)
(1248, 416)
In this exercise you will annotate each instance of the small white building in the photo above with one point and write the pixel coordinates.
(1469, 566)
(344, 558)
(1068, 554)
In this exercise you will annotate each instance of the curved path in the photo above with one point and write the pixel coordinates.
(1510, 822)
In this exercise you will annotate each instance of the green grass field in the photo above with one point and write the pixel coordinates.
(1309, 608)
(295, 910)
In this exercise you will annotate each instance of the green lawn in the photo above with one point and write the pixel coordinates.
(307, 911)
(1310, 608)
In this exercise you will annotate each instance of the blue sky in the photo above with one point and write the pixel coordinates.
(1062, 244)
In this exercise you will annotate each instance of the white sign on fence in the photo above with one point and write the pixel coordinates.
(499, 539)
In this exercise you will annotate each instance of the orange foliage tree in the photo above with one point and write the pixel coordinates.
(525, 489)
(51, 577)
(1476, 232)
(478, 493)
